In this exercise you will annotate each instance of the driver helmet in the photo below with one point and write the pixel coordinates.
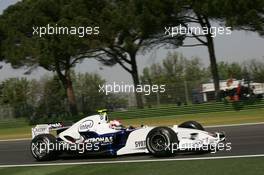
(114, 124)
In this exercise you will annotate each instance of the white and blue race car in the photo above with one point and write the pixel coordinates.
(95, 135)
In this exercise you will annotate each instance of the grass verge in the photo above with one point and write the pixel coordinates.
(14, 129)
(212, 118)
(237, 166)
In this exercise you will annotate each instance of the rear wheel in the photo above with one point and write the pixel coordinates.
(42, 147)
(161, 141)
(192, 125)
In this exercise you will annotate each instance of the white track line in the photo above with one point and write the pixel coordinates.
(132, 161)
(11, 140)
(230, 125)
(212, 126)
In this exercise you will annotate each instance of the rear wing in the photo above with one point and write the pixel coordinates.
(46, 128)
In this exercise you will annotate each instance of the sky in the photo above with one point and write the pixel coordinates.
(239, 47)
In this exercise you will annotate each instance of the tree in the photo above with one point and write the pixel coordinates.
(15, 92)
(230, 70)
(51, 100)
(175, 72)
(2, 37)
(57, 53)
(131, 28)
(243, 15)
(202, 13)
(87, 92)
(256, 70)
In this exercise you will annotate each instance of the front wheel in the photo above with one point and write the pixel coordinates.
(161, 141)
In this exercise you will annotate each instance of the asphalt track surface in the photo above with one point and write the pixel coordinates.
(245, 140)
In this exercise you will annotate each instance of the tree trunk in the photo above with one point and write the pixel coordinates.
(213, 62)
(136, 80)
(67, 84)
(70, 95)
(204, 22)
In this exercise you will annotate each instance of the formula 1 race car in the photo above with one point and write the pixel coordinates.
(95, 135)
